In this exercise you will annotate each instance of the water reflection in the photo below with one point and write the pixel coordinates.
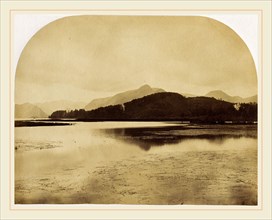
(147, 137)
(113, 163)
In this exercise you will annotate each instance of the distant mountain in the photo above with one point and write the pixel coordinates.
(253, 99)
(168, 106)
(28, 110)
(123, 97)
(218, 94)
(50, 107)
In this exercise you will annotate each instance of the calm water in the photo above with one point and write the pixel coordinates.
(48, 159)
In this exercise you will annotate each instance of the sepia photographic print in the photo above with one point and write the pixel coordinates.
(136, 110)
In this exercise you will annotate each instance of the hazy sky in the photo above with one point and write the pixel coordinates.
(84, 57)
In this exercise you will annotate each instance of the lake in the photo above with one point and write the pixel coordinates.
(136, 163)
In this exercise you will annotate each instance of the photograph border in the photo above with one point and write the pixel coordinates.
(259, 67)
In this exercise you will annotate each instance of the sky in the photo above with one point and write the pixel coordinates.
(80, 58)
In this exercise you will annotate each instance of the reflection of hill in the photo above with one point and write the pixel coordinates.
(146, 138)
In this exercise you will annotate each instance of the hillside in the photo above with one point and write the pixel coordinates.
(28, 110)
(168, 106)
(123, 97)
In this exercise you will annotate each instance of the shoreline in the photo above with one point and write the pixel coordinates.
(55, 122)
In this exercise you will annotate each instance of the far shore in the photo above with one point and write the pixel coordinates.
(53, 121)
(32, 123)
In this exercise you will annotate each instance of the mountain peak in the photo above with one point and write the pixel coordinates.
(145, 86)
(216, 92)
